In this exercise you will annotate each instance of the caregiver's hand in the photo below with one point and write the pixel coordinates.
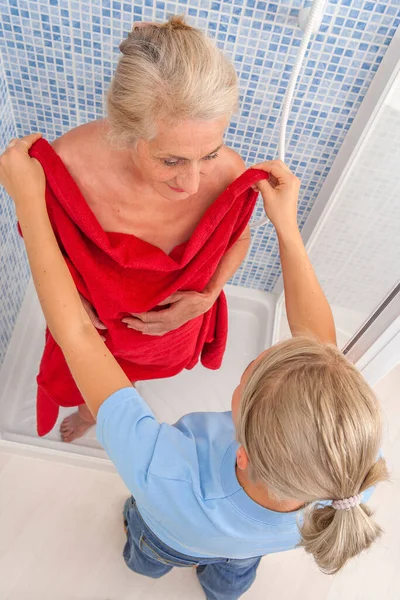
(23, 176)
(184, 307)
(280, 193)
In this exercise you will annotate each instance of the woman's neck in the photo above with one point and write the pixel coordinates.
(259, 493)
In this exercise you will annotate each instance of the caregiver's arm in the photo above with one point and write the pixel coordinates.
(96, 372)
(307, 308)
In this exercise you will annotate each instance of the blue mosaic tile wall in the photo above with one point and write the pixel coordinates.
(14, 272)
(59, 57)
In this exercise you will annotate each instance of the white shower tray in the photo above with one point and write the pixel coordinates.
(251, 315)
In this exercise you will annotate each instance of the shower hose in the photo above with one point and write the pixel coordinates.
(313, 17)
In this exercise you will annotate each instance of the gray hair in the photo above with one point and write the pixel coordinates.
(311, 427)
(169, 72)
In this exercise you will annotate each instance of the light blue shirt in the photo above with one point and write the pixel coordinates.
(183, 479)
(184, 482)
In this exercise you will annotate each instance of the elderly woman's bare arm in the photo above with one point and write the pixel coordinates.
(229, 265)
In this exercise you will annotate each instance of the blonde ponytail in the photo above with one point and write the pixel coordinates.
(334, 536)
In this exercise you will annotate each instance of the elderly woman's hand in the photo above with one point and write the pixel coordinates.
(184, 306)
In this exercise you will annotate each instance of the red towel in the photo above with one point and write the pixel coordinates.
(120, 274)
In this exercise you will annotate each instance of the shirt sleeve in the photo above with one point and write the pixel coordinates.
(128, 431)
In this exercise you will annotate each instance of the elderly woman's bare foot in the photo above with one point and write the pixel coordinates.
(77, 424)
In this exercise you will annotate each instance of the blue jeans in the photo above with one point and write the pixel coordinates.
(220, 578)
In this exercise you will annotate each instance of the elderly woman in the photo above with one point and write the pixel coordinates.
(150, 172)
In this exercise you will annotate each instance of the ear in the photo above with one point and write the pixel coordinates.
(242, 460)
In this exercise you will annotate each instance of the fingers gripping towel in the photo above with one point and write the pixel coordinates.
(121, 274)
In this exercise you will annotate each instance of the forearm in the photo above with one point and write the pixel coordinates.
(307, 308)
(95, 371)
(55, 288)
(228, 266)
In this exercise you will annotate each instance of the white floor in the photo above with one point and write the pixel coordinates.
(61, 534)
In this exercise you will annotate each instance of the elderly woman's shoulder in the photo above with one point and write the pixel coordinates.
(232, 165)
(79, 141)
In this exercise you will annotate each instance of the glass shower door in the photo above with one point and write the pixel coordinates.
(353, 232)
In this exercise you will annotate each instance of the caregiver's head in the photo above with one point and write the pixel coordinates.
(310, 430)
(170, 101)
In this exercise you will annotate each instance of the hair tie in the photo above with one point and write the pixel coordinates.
(142, 25)
(347, 503)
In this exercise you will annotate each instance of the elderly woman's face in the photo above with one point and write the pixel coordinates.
(174, 163)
